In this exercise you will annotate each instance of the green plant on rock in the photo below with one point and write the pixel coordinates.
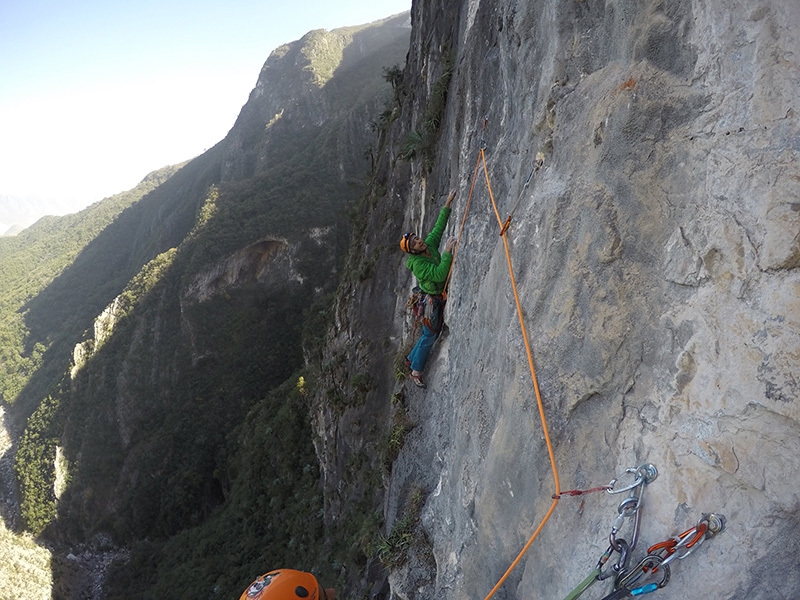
(434, 111)
(393, 549)
(394, 76)
(421, 144)
(397, 436)
(414, 145)
(400, 369)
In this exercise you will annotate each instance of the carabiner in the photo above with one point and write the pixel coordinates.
(699, 535)
(624, 508)
(644, 474)
(604, 559)
(689, 539)
(645, 589)
(637, 482)
(623, 549)
(624, 555)
(637, 519)
(650, 563)
(629, 507)
(667, 545)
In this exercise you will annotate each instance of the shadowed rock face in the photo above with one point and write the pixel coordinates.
(656, 253)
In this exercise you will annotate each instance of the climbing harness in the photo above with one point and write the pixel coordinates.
(426, 308)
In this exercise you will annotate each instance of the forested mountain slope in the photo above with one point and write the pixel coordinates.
(153, 342)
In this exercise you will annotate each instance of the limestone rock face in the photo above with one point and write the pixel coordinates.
(656, 255)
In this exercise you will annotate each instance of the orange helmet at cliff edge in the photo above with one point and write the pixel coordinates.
(284, 584)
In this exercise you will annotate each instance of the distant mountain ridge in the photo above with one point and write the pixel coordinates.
(20, 212)
(17, 213)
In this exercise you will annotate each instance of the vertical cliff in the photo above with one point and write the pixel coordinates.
(656, 254)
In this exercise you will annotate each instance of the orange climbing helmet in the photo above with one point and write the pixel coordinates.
(284, 584)
(406, 242)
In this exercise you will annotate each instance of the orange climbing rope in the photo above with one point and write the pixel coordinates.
(529, 352)
(503, 229)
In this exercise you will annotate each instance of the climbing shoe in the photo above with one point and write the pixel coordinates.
(417, 379)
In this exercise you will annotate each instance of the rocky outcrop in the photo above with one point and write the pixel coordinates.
(656, 255)
(247, 265)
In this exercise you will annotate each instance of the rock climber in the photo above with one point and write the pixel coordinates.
(287, 584)
(431, 269)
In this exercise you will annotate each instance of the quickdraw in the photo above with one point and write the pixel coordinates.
(629, 508)
(626, 582)
(709, 525)
(660, 555)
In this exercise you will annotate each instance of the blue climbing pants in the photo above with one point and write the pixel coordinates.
(419, 353)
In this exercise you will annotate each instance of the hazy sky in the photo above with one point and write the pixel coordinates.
(95, 94)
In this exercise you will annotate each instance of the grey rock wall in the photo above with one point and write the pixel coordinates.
(656, 253)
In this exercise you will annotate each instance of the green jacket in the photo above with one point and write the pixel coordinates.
(431, 271)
